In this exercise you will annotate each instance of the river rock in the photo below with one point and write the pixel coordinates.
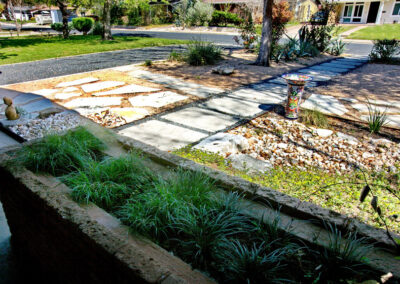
(223, 143)
(323, 132)
(223, 70)
(247, 163)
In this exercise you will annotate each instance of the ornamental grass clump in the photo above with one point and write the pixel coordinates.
(376, 118)
(202, 53)
(110, 182)
(59, 155)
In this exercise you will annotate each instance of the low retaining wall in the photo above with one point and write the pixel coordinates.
(60, 241)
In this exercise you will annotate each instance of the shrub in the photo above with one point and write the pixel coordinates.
(384, 50)
(58, 27)
(281, 15)
(292, 50)
(83, 24)
(176, 56)
(222, 18)
(148, 63)
(202, 53)
(200, 14)
(247, 31)
(336, 47)
(59, 155)
(376, 118)
(97, 29)
(318, 35)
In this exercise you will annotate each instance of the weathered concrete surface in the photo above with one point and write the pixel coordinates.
(201, 118)
(64, 242)
(6, 141)
(162, 135)
(234, 106)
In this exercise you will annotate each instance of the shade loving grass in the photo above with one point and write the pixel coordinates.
(339, 192)
(386, 31)
(63, 154)
(187, 214)
(29, 48)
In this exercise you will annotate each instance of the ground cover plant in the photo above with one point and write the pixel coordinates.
(336, 191)
(377, 32)
(186, 213)
(31, 48)
(384, 50)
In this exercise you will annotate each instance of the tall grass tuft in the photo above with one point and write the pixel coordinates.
(58, 155)
(110, 182)
(203, 53)
(314, 117)
(376, 118)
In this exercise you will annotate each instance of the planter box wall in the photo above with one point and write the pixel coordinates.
(60, 241)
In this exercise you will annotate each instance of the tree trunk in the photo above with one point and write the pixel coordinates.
(12, 8)
(64, 13)
(6, 11)
(107, 20)
(266, 35)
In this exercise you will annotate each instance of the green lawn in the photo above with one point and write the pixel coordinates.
(387, 31)
(342, 29)
(29, 48)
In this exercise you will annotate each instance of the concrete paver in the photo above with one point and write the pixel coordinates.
(162, 135)
(156, 99)
(6, 141)
(201, 118)
(234, 106)
(326, 104)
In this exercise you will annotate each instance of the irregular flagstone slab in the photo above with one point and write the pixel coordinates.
(234, 106)
(70, 89)
(350, 100)
(395, 104)
(87, 111)
(156, 99)
(344, 64)
(162, 135)
(38, 105)
(93, 102)
(326, 104)
(89, 88)
(77, 82)
(202, 118)
(129, 89)
(65, 96)
(392, 120)
(177, 84)
(45, 92)
(25, 98)
(337, 66)
(130, 113)
(258, 97)
(364, 108)
(125, 68)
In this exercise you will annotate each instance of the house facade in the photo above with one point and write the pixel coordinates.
(369, 12)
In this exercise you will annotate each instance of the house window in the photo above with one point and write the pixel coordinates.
(358, 10)
(348, 11)
(396, 9)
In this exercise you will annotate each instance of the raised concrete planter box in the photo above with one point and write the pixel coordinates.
(63, 242)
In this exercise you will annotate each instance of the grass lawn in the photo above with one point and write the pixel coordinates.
(339, 192)
(29, 48)
(387, 31)
(342, 29)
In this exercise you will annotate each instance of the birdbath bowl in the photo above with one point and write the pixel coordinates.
(296, 84)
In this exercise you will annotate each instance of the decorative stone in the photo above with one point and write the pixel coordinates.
(249, 164)
(50, 111)
(89, 88)
(323, 132)
(10, 112)
(350, 139)
(93, 102)
(130, 114)
(156, 99)
(77, 82)
(130, 89)
(223, 70)
(223, 143)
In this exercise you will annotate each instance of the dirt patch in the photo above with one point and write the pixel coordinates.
(245, 72)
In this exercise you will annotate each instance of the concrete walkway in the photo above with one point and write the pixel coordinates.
(196, 121)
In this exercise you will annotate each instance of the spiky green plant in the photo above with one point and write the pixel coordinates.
(61, 154)
(252, 263)
(376, 118)
(110, 182)
(344, 257)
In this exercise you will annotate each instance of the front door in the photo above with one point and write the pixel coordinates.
(373, 12)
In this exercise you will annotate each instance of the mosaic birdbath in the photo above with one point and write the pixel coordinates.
(296, 84)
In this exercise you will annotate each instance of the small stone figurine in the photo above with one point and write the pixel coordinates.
(11, 112)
